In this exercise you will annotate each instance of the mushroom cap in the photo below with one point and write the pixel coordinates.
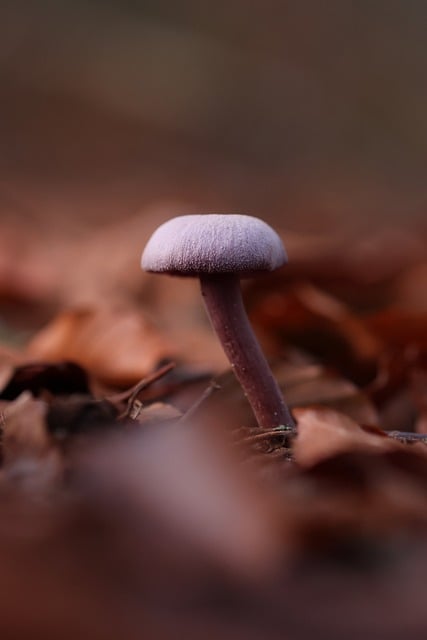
(213, 243)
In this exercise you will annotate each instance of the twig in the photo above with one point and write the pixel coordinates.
(130, 395)
(408, 437)
(213, 386)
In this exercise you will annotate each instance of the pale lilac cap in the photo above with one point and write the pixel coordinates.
(213, 243)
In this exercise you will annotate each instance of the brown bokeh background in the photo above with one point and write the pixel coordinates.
(308, 115)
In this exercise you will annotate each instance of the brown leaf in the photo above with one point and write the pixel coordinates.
(64, 378)
(307, 317)
(118, 346)
(348, 507)
(323, 433)
(400, 328)
(158, 412)
(30, 461)
(312, 384)
(24, 428)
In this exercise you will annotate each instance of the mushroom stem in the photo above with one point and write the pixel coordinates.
(223, 300)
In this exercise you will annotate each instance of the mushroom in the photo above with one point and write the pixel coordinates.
(221, 249)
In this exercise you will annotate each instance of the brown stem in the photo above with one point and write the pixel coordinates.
(223, 300)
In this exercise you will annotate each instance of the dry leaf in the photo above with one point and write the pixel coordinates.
(117, 346)
(157, 412)
(400, 328)
(24, 429)
(315, 385)
(64, 378)
(309, 318)
(30, 461)
(323, 433)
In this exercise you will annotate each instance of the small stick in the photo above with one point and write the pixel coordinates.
(131, 394)
(407, 437)
(213, 386)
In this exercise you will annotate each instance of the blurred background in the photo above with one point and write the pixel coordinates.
(114, 116)
(310, 115)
